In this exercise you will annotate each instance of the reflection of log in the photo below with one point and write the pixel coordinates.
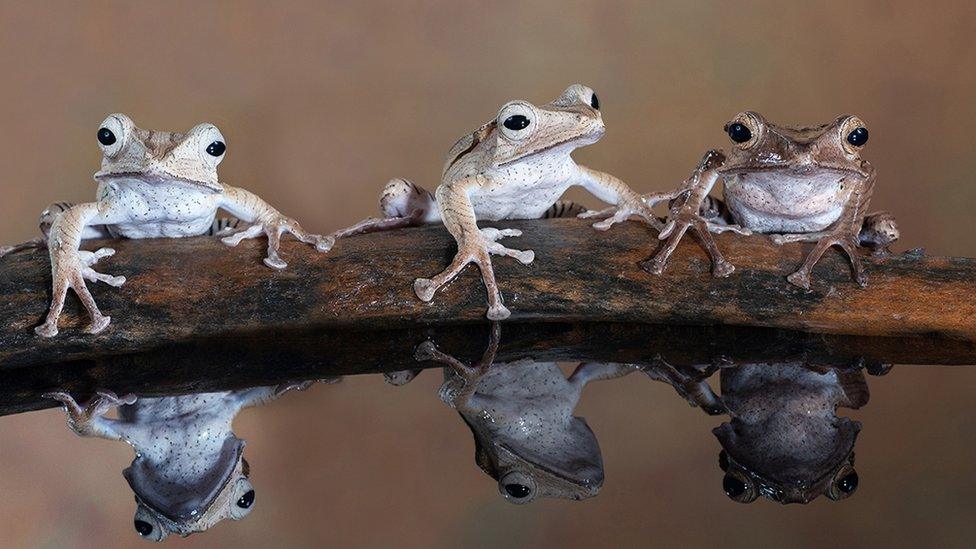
(222, 363)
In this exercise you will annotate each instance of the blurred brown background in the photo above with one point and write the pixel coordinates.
(322, 103)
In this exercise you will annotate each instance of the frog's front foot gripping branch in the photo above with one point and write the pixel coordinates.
(686, 214)
(70, 268)
(848, 242)
(274, 226)
(477, 249)
(84, 420)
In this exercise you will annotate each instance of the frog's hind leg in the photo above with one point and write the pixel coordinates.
(403, 203)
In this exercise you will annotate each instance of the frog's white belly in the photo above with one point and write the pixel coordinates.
(769, 202)
(154, 209)
(523, 191)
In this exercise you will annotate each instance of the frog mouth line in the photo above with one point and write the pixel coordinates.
(805, 171)
(157, 179)
(594, 135)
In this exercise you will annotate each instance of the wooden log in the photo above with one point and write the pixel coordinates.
(182, 290)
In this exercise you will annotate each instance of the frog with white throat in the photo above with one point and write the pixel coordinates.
(152, 184)
(516, 166)
(798, 184)
(189, 472)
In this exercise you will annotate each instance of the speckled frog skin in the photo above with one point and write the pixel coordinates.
(521, 414)
(798, 184)
(189, 472)
(516, 166)
(784, 440)
(152, 184)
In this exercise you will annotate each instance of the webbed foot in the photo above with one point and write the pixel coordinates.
(71, 269)
(842, 239)
(274, 227)
(81, 419)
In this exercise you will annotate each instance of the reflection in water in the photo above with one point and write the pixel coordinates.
(781, 437)
(189, 472)
(784, 440)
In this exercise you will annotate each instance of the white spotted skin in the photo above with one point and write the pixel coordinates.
(154, 209)
(525, 189)
(785, 201)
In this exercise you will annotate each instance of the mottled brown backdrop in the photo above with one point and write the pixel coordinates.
(321, 103)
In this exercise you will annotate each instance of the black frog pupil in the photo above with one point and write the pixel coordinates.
(516, 122)
(518, 491)
(849, 483)
(105, 136)
(245, 501)
(143, 527)
(739, 133)
(594, 102)
(733, 487)
(858, 137)
(216, 148)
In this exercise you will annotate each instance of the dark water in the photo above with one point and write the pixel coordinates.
(775, 407)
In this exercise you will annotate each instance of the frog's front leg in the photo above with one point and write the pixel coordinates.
(474, 245)
(250, 208)
(844, 234)
(70, 267)
(45, 221)
(686, 214)
(626, 202)
(427, 351)
(88, 420)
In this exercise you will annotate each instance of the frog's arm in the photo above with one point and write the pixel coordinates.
(598, 371)
(471, 374)
(89, 420)
(262, 395)
(70, 266)
(251, 209)
(474, 245)
(686, 214)
(626, 201)
(844, 234)
(45, 221)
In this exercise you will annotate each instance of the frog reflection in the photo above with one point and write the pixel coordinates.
(189, 472)
(784, 440)
(521, 416)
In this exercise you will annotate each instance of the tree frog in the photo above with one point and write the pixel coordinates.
(799, 184)
(151, 184)
(521, 415)
(514, 167)
(189, 472)
(784, 440)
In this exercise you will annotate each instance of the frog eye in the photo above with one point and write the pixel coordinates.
(211, 141)
(517, 487)
(517, 120)
(147, 526)
(594, 102)
(858, 136)
(744, 129)
(738, 132)
(112, 133)
(243, 501)
(844, 483)
(854, 133)
(739, 487)
(216, 148)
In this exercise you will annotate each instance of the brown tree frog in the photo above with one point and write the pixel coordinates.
(152, 184)
(189, 472)
(784, 440)
(799, 184)
(516, 166)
